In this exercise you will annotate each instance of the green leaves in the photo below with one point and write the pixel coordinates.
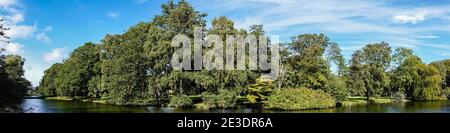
(13, 86)
(299, 98)
(368, 74)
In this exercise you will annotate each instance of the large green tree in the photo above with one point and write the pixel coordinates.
(368, 71)
(306, 65)
(76, 71)
(13, 84)
(47, 84)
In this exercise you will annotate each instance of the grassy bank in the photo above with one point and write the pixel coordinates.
(61, 98)
(84, 99)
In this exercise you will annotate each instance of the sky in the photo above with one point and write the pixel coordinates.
(44, 32)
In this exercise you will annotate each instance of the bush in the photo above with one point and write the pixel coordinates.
(180, 101)
(224, 99)
(259, 91)
(298, 99)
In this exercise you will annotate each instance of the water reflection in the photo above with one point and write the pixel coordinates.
(50, 106)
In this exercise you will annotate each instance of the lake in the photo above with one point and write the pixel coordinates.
(53, 106)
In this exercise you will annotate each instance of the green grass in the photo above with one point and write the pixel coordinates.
(61, 98)
(100, 101)
(381, 100)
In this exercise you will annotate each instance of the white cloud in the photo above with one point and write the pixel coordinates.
(427, 36)
(113, 15)
(353, 20)
(7, 3)
(13, 48)
(55, 55)
(21, 31)
(413, 19)
(15, 18)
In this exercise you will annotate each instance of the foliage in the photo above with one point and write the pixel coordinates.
(224, 99)
(47, 85)
(13, 86)
(134, 68)
(337, 88)
(444, 70)
(298, 99)
(368, 74)
(417, 80)
(180, 101)
(306, 66)
(259, 91)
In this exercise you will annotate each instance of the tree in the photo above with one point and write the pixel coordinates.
(368, 70)
(414, 78)
(306, 66)
(444, 69)
(47, 84)
(259, 91)
(180, 18)
(13, 85)
(76, 71)
(333, 55)
(357, 76)
(3, 37)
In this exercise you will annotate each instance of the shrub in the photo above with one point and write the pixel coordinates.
(224, 99)
(260, 90)
(298, 99)
(180, 101)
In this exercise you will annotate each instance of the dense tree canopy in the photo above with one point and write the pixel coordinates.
(135, 68)
(368, 74)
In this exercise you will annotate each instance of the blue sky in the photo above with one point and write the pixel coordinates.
(45, 31)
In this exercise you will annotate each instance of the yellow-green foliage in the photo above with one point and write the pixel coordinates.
(260, 90)
(380, 100)
(298, 99)
(59, 98)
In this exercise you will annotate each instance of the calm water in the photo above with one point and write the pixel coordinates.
(51, 106)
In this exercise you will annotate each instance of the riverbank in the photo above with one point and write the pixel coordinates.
(359, 100)
(83, 99)
(55, 106)
(197, 104)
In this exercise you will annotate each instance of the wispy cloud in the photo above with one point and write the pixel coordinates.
(402, 25)
(13, 48)
(43, 35)
(413, 19)
(114, 15)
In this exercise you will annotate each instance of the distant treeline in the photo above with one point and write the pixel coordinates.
(134, 68)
